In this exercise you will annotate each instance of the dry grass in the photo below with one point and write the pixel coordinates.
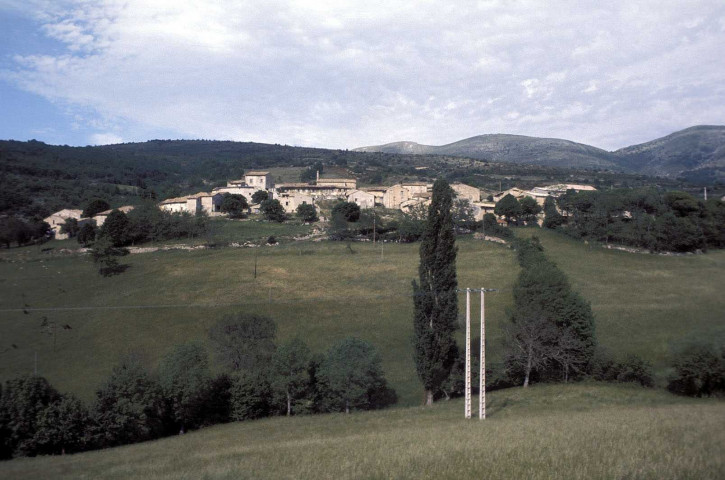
(572, 432)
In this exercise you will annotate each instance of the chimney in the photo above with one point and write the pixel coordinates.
(318, 176)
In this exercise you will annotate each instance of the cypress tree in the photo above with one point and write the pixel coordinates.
(435, 299)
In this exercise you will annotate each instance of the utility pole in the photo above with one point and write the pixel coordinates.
(373, 226)
(482, 372)
(706, 194)
(468, 353)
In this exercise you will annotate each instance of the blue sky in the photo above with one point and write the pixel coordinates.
(346, 74)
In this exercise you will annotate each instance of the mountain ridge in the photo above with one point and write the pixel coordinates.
(695, 153)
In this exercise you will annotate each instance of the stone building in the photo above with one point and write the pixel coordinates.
(57, 220)
(100, 218)
(362, 198)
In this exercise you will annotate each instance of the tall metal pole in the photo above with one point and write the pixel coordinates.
(468, 353)
(482, 373)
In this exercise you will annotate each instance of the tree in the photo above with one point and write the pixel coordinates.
(94, 207)
(185, 378)
(234, 205)
(105, 254)
(289, 371)
(529, 209)
(63, 427)
(508, 207)
(353, 375)
(23, 400)
(348, 210)
(244, 341)
(70, 227)
(251, 396)
(307, 212)
(259, 196)
(272, 210)
(129, 406)
(463, 218)
(435, 298)
(116, 228)
(87, 234)
(699, 371)
(552, 218)
(550, 325)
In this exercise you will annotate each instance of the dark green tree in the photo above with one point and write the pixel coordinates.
(244, 341)
(272, 210)
(529, 209)
(185, 378)
(251, 396)
(63, 427)
(435, 298)
(23, 400)
(259, 196)
(552, 218)
(106, 255)
(116, 228)
(699, 371)
(307, 212)
(290, 377)
(353, 376)
(509, 208)
(87, 234)
(350, 211)
(70, 227)
(234, 205)
(94, 207)
(129, 406)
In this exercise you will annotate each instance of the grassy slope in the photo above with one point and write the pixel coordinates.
(322, 292)
(555, 431)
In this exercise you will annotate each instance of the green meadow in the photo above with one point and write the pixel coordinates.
(323, 291)
(579, 431)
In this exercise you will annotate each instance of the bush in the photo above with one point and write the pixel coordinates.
(94, 207)
(250, 396)
(635, 370)
(307, 212)
(272, 210)
(699, 372)
(234, 205)
(350, 211)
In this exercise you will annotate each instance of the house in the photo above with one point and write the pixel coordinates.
(482, 208)
(418, 200)
(100, 218)
(378, 193)
(466, 192)
(397, 194)
(362, 198)
(177, 205)
(209, 203)
(259, 180)
(290, 201)
(237, 189)
(57, 220)
(350, 183)
(318, 192)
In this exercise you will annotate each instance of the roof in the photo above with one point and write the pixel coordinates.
(420, 184)
(174, 200)
(282, 186)
(67, 213)
(124, 209)
(327, 180)
(256, 174)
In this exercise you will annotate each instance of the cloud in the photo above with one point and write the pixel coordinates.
(346, 74)
(105, 139)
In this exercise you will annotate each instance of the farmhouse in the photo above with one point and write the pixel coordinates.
(466, 192)
(290, 201)
(57, 220)
(362, 198)
(350, 183)
(318, 192)
(397, 194)
(259, 180)
(208, 203)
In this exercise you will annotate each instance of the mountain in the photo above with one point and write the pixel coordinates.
(696, 153)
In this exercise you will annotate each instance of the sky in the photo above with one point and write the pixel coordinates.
(345, 74)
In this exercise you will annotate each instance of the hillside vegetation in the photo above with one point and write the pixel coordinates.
(583, 431)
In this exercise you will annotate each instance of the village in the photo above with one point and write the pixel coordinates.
(403, 196)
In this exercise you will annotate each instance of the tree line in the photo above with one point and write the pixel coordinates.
(259, 378)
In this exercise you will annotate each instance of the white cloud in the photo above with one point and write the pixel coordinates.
(105, 139)
(345, 74)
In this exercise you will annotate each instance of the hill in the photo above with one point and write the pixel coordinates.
(696, 153)
(512, 149)
(322, 291)
(583, 431)
(37, 179)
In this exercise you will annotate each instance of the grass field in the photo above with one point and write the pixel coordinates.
(322, 291)
(583, 431)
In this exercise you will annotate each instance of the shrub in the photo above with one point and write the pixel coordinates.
(699, 372)
(635, 370)
(348, 210)
(272, 210)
